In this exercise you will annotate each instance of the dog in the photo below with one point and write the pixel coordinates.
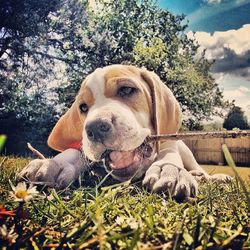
(114, 112)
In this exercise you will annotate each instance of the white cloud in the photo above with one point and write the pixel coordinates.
(212, 1)
(246, 109)
(244, 89)
(241, 95)
(219, 77)
(230, 49)
(236, 40)
(231, 94)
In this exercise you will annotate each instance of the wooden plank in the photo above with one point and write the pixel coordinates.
(208, 151)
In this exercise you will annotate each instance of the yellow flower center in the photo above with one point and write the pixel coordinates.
(21, 194)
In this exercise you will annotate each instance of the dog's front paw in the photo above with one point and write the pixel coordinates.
(169, 178)
(201, 175)
(48, 172)
(220, 178)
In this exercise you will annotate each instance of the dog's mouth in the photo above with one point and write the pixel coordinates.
(126, 163)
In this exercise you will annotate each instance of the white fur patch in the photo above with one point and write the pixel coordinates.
(96, 84)
(131, 128)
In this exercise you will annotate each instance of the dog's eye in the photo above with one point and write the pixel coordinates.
(126, 91)
(84, 108)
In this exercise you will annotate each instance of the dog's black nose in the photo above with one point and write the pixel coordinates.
(98, 130)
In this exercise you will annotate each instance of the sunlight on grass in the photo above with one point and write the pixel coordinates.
(2, 141)
(122, 216)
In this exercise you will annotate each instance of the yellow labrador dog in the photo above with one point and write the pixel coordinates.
(115, 111)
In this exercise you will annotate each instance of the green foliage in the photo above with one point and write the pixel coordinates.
(142, 34)
(2, 141)
(153, 53)
(48, 47)
(213, 126)
(27, 105)
(235, 119)
(28, 112)
(124, 216)
(19, 21)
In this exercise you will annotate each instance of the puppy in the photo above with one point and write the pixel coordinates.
(116, 109)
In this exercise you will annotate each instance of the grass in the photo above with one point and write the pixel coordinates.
(244, 172)
(124, 216)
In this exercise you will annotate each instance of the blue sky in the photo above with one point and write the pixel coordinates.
(222, 27)
(211, 15)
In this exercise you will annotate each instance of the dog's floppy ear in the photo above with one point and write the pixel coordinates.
(166, 110)
(67, 132)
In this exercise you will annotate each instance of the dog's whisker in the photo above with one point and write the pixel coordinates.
(85, 161)
(106, 167)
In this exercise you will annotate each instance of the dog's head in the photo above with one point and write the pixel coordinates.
(115, 110)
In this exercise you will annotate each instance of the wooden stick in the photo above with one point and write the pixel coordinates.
(35, 151)
(200, 135)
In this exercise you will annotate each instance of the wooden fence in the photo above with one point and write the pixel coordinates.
(209, 151)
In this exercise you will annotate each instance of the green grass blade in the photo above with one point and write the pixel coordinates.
(59, 200)
(2, 141)
(232, 164)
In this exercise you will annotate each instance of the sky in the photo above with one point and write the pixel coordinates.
(222, 27)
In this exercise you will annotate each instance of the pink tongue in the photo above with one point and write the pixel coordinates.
(123, 159)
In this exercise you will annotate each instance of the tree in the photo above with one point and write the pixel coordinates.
(235, 119)
(25, 66)
(48, 47)
(22, 24)
(138, 33)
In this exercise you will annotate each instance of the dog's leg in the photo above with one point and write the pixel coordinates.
(195, 169)
(168, 174)
(190, 163)
(58, 172)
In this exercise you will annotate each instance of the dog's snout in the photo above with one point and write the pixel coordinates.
(98, 130)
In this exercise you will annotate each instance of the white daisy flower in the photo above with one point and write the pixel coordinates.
(128, 221)
(120, 219)
(22, 193)
(133, 223)
(6, 235)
